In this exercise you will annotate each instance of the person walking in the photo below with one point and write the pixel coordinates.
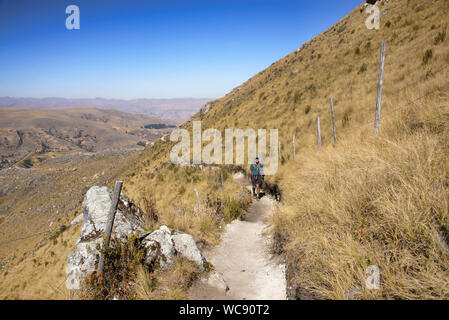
(256, 176)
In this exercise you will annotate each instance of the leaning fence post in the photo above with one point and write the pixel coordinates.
(318, 132)
(221, 176)
(198, 198)
(333, 122)
(293, 147)
(110, 223)
(380, 84)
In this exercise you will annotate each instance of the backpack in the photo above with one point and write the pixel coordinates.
(256, 166)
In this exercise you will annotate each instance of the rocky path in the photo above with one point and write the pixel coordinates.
(242, 260)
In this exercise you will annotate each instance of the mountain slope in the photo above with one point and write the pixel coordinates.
(344, 208)
(367, 202)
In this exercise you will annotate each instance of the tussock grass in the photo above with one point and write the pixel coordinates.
(170, 284)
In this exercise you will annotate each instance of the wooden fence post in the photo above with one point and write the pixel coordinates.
(221, 176)
(333, 122)
(380, 84)
(198, 198)
(110, 223)
(293, 147)
(318, 132)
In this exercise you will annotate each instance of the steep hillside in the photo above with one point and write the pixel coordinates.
(25, 131)
(366, 202)
(341, 63)
(337, 203)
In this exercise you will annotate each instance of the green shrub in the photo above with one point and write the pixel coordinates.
(312, 89)
(26, 163)
(297, 97)
(307, 109)
(441, 36)
(427, 56)
(117, 280)
(363, 68)
(347, 117)
(341, 29)
(232, 211)
(282, 160)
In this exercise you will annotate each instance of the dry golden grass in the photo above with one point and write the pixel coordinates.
(293, 91)
(41, 274)
(368, 201)
(171, 189)
(170, 284)
(382, 201)
(377, 202)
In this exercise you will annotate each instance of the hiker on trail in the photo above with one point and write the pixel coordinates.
(256, 176)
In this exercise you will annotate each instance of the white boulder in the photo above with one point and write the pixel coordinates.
(185, 246)
(128, 220)
(160, 248)
(161, 245)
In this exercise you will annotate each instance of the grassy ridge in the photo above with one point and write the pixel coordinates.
(367, 202)
(370, 201)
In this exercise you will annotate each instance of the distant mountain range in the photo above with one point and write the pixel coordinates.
(171, 109)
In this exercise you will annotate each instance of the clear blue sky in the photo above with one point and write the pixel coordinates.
(151, 49)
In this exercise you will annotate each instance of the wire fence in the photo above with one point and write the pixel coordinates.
(423, 78)
(402, 106)
(388, 112)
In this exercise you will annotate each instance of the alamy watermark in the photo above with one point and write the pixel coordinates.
(372, 282)
(373, 20)
(212, 153)
(73, 20)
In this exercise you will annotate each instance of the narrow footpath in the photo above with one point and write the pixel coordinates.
(242, 259)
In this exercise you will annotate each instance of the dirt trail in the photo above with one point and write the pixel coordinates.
(243, 261)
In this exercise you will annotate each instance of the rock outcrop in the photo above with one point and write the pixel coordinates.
(161, 245)
(160, 248)
(205, 109)
(185, 245)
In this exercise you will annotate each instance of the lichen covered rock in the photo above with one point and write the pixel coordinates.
(128, 220)
(161, 245)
